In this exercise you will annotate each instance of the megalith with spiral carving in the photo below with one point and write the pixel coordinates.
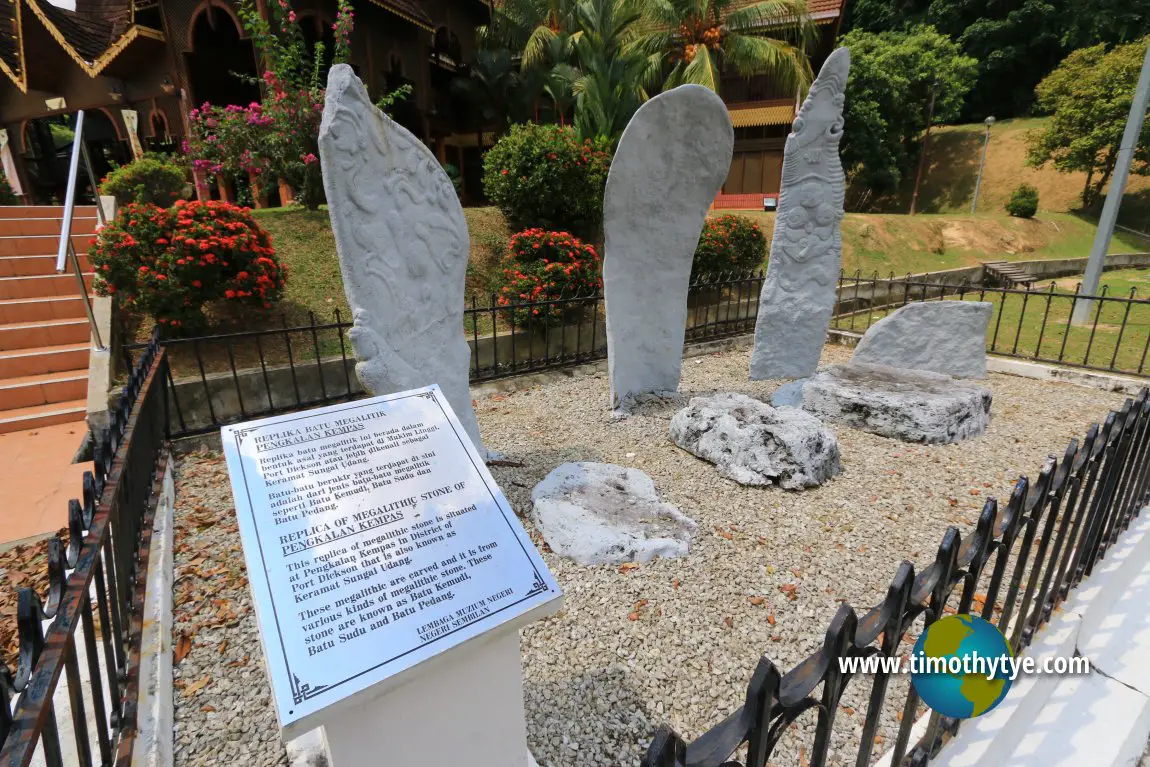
(403, 247)
(799, 294)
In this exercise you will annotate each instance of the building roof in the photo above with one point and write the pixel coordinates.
(408, 10)
(755, 113)
(92, 40)
(11, 42)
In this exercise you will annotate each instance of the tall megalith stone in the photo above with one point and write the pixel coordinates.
(671, 162)
(402, 244)
(799, 293)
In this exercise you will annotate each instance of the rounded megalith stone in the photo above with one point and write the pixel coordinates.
(947, 337)
(604, 514)
(756, 444)
(911, 405)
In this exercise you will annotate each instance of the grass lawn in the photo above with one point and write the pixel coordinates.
(1036, 325)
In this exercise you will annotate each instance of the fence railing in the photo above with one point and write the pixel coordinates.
(215, 380)
(1027, 323)
(220, 379)
(94, 598)
(1020, 562)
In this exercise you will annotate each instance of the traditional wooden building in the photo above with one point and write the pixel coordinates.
(762, 113)
(149, 62)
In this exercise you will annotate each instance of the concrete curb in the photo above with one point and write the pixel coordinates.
(154, 740)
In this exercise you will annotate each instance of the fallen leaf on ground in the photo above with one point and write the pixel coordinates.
(183, 647)
(627, 567)
(196, 686)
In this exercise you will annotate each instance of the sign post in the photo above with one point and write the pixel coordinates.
(390, 578)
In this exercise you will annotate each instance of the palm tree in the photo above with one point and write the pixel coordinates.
(614, 73)
(703, 39)
(497, 88)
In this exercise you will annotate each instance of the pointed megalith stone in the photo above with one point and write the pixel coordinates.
(799, 293)
(670, 164)
(947, 337)
(402, 244)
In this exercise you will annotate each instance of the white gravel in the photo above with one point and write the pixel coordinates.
(674, 640)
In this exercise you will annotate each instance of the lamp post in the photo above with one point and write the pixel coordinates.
(988, 122)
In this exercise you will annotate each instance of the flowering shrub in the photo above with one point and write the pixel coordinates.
(729, 244)
(169, 262)
(540, 175)
(153, 178)
(277, 138)
(544, 266)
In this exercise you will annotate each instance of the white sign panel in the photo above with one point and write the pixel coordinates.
(375, 538)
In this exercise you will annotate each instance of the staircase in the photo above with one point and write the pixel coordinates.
(1008, 275)
(44, 335)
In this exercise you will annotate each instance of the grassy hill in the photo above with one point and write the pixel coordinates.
(952, 170)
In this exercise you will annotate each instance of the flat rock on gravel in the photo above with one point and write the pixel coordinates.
(947, 337)
(672, 641)
(910, 405)
(756, 444)
(602, 514)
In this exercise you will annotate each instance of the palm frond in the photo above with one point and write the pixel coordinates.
(703, 69)
(750, 55)
(537, 48)
(790, 19)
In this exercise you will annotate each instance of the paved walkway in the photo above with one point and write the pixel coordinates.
(38, 479)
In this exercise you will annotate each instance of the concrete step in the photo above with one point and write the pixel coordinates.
(43, 389)
(42, 286)
(45, 308)
(19, 227)
(40, 245)
(45, 211)
(28, 335)
(37, 416)
(37, 266)
(15, 363)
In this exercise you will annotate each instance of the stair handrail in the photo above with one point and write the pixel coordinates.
(79, 151)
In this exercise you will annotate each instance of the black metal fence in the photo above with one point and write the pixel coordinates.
(1028, 324)
(220, 379)
(1020, 561)
(96, 588)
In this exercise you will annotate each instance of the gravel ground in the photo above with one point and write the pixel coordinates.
(672, 641)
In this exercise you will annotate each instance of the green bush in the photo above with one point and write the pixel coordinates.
(1023, 202)
(7, 196)
(151, 180)
(541, 176)
(542, 266)
(729, 244)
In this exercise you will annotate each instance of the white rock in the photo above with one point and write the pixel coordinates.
(601, 513)
(789, 394)
(911, 405)
(799, 292)
(403, 248)
(756, 444)
(671, 162)
(947, 337)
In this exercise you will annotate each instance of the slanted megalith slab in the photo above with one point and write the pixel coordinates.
(947, 337)
(402, 244)
(671, 162)
(911, 405)
(799, 293)
(600, 513)
(756, 444)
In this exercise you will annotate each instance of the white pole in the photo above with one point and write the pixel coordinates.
(1109, 215)
(981, 165)
(70, 194)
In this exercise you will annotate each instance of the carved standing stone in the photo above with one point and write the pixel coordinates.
(402, 244)
(799, 294)
(671, 162)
